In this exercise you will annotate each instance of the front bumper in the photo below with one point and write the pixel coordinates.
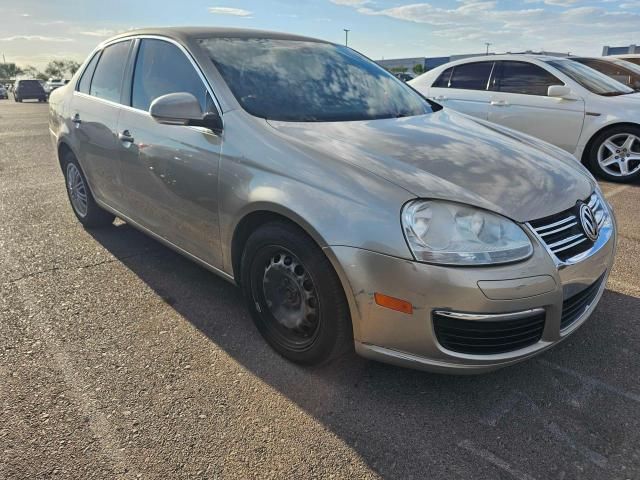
(410, 340)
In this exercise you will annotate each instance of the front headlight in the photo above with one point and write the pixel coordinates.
(454, 234)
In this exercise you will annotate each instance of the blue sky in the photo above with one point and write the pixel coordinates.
(36, 31)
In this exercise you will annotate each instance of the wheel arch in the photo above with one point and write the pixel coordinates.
(587, 149)
(264, 213)
(261, 214)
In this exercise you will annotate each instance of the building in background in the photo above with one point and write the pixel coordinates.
(607, 50)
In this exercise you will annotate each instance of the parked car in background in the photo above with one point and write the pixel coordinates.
(52, 84)
(29, 90)
(3, 93)
(616, 68)
(348, 208)
(405, 77)
(629, 57)
(558, 100)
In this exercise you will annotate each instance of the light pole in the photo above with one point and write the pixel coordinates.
(346, 37)
(488, 45)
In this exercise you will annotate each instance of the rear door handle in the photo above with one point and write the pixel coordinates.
(499, 103)
(125, 137)
(76, 119)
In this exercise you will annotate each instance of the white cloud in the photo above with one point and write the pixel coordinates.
(236, 12)
(41, 38)
(350, 3)
(101, 32)
(467, 24)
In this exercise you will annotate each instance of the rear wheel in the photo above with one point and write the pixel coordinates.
(82, 202)
(615, 154)
(294, 295)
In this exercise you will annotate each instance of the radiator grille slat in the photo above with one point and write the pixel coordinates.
(562, 232)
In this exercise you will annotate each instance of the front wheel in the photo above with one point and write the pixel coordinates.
(615, 154)
(294, 295)
(82, 202)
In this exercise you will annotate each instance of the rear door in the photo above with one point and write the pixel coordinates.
(519, 100)
(170, 171)
(94, 112)
(464, 88)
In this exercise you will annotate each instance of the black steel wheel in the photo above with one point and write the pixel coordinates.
(294, 295)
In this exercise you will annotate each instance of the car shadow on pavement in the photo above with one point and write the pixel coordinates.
(571, 412)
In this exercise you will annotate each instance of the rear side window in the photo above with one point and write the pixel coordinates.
(85, 81)
(524, 78)
(163, 68)
(471, 76)
(107, 79)
(443, 80)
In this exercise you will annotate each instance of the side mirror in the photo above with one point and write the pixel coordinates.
(183, 109)
(559, 91)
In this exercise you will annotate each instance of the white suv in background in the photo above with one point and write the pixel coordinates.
(52, 84)
(563, 102)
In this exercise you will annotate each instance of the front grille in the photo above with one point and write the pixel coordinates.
(562, 232)
(482, 337)
(574, 306)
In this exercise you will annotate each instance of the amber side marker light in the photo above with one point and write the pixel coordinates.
(393, 303)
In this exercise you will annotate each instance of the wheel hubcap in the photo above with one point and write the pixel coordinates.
(77, 190)
(290, 295)
(619, 155)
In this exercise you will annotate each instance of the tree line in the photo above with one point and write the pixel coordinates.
(54, 69)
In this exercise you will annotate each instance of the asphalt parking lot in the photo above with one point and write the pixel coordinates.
(121, 359)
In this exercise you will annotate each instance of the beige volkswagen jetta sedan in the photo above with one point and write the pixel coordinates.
(350, 209)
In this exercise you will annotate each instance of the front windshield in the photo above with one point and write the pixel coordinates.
(590, 79)
(306, 81)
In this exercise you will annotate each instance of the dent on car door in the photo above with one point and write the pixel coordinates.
(464, 88)
(93, 113)
(519, 100)
(170, 171)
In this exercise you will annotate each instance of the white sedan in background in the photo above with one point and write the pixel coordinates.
(628, 57)
(563, 102)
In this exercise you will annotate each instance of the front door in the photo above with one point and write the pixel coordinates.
(170, 172)
(520, 101)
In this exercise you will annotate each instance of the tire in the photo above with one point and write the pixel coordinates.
(294, 295)
(620, 145)
(82, 202)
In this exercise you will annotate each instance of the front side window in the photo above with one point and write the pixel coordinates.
(307, 81)
(107, 79)
(590, 79)
(524, 78)
(471, 76)
(162, 68)
(87, 75)
(632, 60)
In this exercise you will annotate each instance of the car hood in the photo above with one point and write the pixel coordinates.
(450, 156)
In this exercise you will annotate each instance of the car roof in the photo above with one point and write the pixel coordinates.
(186, 34)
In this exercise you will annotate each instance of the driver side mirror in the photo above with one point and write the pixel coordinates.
(183, 109)
(560, 91)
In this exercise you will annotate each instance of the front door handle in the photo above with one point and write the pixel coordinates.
(499, 103)
(440, 98)
(125, 137)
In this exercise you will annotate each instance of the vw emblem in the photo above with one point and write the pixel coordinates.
(588, 222)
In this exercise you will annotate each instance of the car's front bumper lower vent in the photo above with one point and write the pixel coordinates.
(489, 334)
